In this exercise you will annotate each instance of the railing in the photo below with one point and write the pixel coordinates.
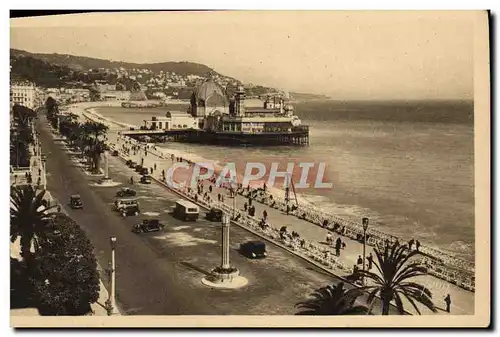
(440, 264)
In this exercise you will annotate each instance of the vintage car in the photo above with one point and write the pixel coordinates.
(130, 163)
(215, 215)
(138, 168)
(126, 192)
(75, 202)
(145, 179)
(253, 249)
(114, 153)
(144, 171)
(148, 225)
(127, 206)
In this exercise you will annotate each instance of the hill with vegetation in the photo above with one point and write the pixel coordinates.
(62, 70)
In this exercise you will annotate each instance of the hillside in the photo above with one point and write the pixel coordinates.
(61, 70)
(85, 63)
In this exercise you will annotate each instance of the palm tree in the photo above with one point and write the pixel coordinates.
(333, 300)
(393, 280)
(28, 217)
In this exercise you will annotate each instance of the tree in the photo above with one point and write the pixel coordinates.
(28, 218)
(67, 282)
(395, 269)
(333, 300)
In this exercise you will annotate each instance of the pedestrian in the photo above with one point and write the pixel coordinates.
(59, 211)
(151, 169)
(222, 198)
(264, 214)
(155, 166)
(417, 245)
(287, 209)
(329, 239)
(245, 206)
(265, 187)
(210, 188)
(163, 173)
(360, 260)
(370, 261)
(410, 244)
(131, 180)
(249, 201)
(218, 198)
(447, 300)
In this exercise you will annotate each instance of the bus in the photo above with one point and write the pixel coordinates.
(186, 210)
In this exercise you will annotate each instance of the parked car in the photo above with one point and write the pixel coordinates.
(126, 207)
(138, 168)
(214, 215)
(145, 179)
(253, 249)
(126, 192)
(130, 163)
(148, 225)
(144, 171)
(114, 153)
(75, 202)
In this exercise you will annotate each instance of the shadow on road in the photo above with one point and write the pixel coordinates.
(191, 266)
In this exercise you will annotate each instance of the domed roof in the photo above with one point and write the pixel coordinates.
(207, 89)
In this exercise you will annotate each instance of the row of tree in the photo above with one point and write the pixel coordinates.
(392, 281)
(60, 270)
(21, 135)
(88, 137)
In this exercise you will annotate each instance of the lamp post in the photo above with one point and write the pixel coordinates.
(111, 302)
(365, 227)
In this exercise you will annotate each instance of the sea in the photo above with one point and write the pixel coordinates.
(406, 165)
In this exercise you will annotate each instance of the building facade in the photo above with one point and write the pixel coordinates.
(26, 94)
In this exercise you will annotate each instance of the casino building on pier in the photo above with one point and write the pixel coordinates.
(214, 118)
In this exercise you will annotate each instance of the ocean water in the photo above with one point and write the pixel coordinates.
(408, 166)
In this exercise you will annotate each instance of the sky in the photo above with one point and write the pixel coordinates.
(345, 55)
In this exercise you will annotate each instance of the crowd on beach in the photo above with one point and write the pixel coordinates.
(435, 261)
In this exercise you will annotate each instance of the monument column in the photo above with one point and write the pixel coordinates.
(225, 241)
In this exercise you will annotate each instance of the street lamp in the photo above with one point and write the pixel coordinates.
(365, 227)
(111, 302)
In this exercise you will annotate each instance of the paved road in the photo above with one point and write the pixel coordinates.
(160, 274)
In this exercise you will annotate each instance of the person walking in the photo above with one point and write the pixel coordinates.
(359, 261)
(447, 300)
(218, 197)
(287, 209)
(264, 215)
(338, 245)
(245, 206)
(417, 245)
(410, 244)
(210, 188)
(155, 167)
(370, 261)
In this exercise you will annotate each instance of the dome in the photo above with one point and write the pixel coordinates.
(208, 89)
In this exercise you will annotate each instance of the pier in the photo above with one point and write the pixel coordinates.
(298, 136)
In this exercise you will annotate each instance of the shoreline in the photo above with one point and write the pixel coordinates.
(438, 254)
(278, 191)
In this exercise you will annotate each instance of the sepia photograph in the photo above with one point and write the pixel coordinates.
(250, 169)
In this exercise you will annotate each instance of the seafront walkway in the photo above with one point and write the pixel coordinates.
(313, 235)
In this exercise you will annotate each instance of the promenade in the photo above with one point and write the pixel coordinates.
(462, 300)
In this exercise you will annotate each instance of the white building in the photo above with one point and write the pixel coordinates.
(26, 94)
